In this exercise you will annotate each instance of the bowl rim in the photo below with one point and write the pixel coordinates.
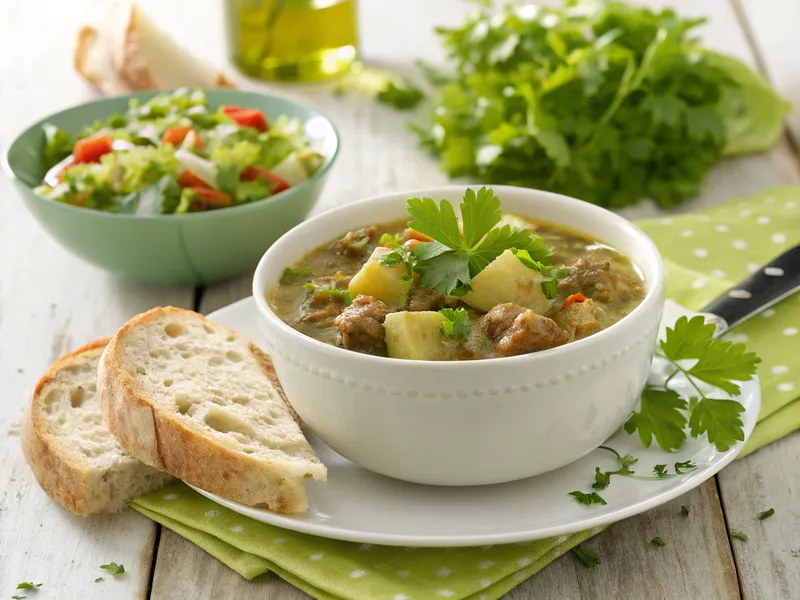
(320, 174)
(654, 295)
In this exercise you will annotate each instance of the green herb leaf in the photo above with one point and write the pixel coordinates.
(15, 597)
(28, 585)
(291, 275)
(739, 535)
(684, 467)
(590, 498)
(58, 144)
(660, 471)
(113, 568)
(480, 213)
(403, 96)
(685, 510)
(395, 240)
(437, 222)
(766, 514)
(601, 479)
(657, 541)
(720, 420)
(661, 416)
(456, 323)
(587, 557)
(343, 296)
(99, 579)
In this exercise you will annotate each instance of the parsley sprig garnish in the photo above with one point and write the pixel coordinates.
(449, 263)
(743, 537)
(590, 498)
(766, 514)
(343, 296)
(290, 275)
(720, 364)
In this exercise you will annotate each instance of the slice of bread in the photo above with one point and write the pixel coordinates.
(75, 459)
(195, 399)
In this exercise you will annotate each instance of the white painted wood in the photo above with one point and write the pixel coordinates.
(772, 28)
(50, 303)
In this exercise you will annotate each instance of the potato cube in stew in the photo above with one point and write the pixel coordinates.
(384, 283)
(507, 279)
(416, 336)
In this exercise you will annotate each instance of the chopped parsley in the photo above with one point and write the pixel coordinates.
(766, 514)
(290, 275)
(392, 241)
(113, 568)
(664, 415)
(684, 467)
(587, 557)
(660, 471)
(28, 585)
(657, 541)
(456, 323)
(99, 579)
(588, 499)
(551, 274)
(739, 535)
(342, 296)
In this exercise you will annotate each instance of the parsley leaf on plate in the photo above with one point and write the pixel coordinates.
(661, 416)
(16, 597)
(113, 568)
(28, 585)
(660, 471)
(720, 420)
(456, 323)
(587, 557)
(601, 479)
(684, 467)
(717, 363)
(657, 541)
(99, 579)
(766, 514)
(590, 498)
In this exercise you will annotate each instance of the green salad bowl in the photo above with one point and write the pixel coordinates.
(195, 248)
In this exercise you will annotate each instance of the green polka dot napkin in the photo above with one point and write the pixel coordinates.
(705, 254)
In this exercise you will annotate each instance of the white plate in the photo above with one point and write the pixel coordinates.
(360, 506)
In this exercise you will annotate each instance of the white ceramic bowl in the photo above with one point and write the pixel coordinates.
(471, 422)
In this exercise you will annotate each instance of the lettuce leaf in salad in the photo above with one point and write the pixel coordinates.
(230, 161)
(58, 144)
(130, 170)
(161, 197)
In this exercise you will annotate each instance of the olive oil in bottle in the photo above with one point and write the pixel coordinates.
(292, 40)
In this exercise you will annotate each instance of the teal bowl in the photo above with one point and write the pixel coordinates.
(195, 248)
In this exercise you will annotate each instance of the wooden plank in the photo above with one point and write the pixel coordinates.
(772, 28)
(769, 563)
(50, 303)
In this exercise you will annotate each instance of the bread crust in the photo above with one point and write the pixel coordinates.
(65, 481)
(159, 438)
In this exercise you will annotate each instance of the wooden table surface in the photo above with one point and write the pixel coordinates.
(51, 303)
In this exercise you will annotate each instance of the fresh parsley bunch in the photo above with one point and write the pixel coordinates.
(719, 365)
(603, 101)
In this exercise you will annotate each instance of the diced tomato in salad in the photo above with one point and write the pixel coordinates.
(188, 179)
(212, 197)
(176, 135)
(247, 117)
(89, 150)
(276, 183)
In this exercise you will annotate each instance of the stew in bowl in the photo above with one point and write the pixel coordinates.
(433, 287)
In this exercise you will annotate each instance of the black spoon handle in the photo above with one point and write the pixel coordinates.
(770, 284)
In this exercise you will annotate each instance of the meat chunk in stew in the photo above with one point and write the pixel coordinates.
(355, 244)
(517, 330)
(361, 325)
(598, 281)
(424, 299)
(581, 319)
